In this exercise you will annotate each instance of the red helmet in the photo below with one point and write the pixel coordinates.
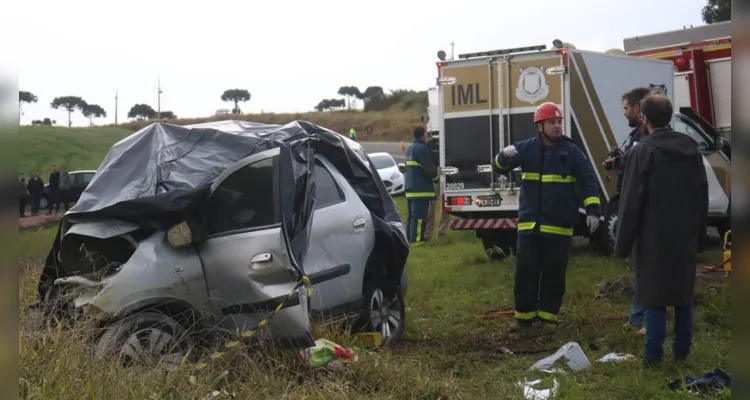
(547, 111)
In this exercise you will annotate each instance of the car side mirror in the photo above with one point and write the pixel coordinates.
(720, 141)
(402, 167)
(180, 235)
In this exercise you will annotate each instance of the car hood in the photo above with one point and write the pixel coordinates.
(386, 173)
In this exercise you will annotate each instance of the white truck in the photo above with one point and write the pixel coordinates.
(486, 101)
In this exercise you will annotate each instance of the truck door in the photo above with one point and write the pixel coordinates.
(470, 123)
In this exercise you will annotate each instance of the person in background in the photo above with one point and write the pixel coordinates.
(23, 196)
(54, 190)
(663, 213)
(421, 173)
(36, 188)
(434, 146)
(353, 134)
(631, 104)
(65, 182)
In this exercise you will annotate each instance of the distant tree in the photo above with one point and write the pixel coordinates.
(168, 115)
(371, 93)
(67, 103)
(717, 11)
(141, 111)
(330, 104)
(25, 97)
(92, 111)
(235, 95)
(349, 92)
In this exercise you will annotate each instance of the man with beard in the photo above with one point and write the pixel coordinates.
(631, 103)
(663, 211)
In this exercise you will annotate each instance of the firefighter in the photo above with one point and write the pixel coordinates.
(551, 165)
(421, 173)
(353, 134)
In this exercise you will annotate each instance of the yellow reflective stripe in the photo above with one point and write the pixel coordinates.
(419, 230)
(419, 194)
(534, 176)
(525, 226)
(416, 244)
(591, 200)
(556, 230)
(525, 315)
(497, 163)
(435, 179)
(414, 163)
(547, 316)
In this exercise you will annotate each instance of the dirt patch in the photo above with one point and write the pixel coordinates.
(39, 222)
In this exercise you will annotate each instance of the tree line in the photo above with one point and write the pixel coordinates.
(374, 99)
(138, 111)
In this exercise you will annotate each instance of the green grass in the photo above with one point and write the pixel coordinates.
(76, 148)
(447, 351)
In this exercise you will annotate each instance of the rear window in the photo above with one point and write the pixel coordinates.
(382, 162)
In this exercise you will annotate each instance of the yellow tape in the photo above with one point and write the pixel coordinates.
(305, 281)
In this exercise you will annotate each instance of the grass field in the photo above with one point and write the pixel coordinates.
(386, 125)
(75, 148)
(447, 351)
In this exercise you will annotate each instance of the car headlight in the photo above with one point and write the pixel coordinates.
(395, 175)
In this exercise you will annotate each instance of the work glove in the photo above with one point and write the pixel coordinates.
(592, 222)
(510, 151)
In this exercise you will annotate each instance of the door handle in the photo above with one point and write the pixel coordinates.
(360, 222)
(262, 258)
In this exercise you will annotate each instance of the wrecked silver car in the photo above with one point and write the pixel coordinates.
(207, 228)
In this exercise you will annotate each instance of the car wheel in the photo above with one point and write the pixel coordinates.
(150, 339)
(43, 203)
(384, 315)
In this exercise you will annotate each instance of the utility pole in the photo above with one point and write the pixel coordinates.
(115, 107)
(452, 44)
(158, 100)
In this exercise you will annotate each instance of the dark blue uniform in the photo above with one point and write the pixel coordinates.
(547, 212)
(421, 172)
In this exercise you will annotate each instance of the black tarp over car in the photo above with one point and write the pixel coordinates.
(161, 176)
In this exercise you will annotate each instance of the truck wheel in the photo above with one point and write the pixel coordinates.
(605, 238)
(499, 244)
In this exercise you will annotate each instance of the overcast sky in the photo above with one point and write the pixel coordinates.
(289, 55)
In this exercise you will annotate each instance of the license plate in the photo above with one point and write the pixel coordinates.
(488, 201)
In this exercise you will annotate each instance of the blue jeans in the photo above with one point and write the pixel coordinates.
(656, 332)
(637, 314)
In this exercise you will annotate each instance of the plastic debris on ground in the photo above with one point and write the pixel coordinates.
(328, 353)
(616, 357)
(220, 395)
(532, 393)
(709, 383)
(572, 351)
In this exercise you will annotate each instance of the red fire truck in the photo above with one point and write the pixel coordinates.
(702, 58)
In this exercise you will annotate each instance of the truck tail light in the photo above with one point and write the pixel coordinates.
(459, 201)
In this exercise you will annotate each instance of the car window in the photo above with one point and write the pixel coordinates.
(681, 126)
(246, 199)
(327, 192)
(87, 178)
(78, 180)
(382, 162)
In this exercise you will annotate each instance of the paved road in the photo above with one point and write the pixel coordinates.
(392, 148)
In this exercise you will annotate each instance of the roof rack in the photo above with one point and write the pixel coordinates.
(503, 51)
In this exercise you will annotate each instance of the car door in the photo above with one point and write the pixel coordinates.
(79, 182)
(341, 240)
(245, 256)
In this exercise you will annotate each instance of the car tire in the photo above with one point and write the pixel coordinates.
(499, 244)
(43, 203)
(604, 239)
(379, 312)
(150, 338)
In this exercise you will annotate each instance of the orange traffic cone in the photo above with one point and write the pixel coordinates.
(403, 147)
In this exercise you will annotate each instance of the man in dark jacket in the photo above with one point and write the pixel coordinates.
(421, 173)
(65, 182)
(54, 190)
(36, 188)
(552, 165)
(23, 196)
(663, 213)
